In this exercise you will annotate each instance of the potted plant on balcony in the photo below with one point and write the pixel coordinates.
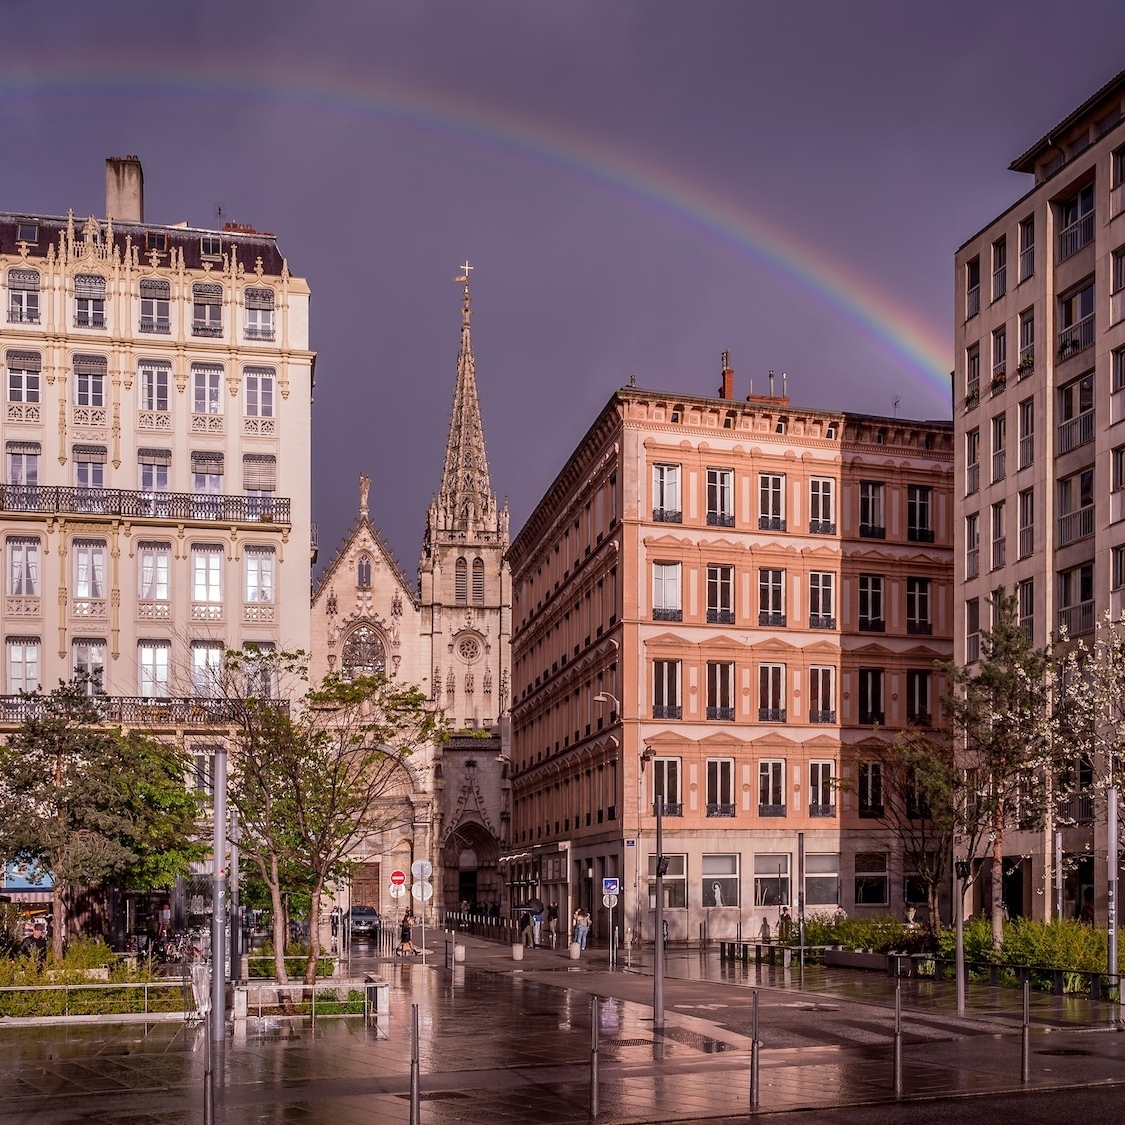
(972, 398)
(1026, 365)
(999, 379)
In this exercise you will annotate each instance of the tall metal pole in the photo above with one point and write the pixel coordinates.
(898, 1034)
(1111, 883)
(415, 1071)
(658, 960)
(594, 1018)
(801, 898)
(219, 901)
(235, 911)
(959, 960)
(1058, 875)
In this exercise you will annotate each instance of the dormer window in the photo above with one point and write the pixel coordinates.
(27, 232)
(156, 240)
(211, 246)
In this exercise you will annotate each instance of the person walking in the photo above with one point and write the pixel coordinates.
(35, 945)
(405, 937)
(537, 928)
(553, 923)
(526, 930)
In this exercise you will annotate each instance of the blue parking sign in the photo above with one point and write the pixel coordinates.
(611, 886)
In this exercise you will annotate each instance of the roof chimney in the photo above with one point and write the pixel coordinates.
(124, 189)
(727, 388)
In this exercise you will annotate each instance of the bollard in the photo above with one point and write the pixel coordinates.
(415, 1085)
(517, 951)
(1025, 1039)
(755, 1086)
(459, 954)
(898, 1036)
(594, 1006)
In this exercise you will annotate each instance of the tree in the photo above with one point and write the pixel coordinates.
(310, 785)
(86, 803)
(1000, 714)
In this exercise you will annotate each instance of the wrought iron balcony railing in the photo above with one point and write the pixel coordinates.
(139, 711)
(68, 500)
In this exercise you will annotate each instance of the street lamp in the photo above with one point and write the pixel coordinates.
(608, 697)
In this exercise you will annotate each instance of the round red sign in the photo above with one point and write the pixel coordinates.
(398, 878)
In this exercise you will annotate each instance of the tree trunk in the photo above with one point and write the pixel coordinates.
(998, 882)
(314, 934)
(933, 901)
(280, 922)
(58, 919)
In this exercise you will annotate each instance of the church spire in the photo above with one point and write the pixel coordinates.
(465, 502)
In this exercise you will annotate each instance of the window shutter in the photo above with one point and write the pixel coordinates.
(89, 285)
(259, 472)
(23, 279)
(155, 456)
(23, 447)
(259, 298)
(207, 293)
(90, 365)
(23, 361)
(206, 461)
(156, 290)
(94, 453)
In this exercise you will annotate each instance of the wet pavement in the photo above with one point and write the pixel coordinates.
(504, 1041)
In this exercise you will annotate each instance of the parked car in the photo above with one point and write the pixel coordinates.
(364, 921)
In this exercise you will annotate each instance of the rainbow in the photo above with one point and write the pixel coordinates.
(890, 325)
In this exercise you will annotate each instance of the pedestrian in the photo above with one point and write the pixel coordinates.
(581, 927)
(841, 915)
(785, 925)
(553, 922)
(537, 926)
(405, 937)
(35, 946)
(525, 929)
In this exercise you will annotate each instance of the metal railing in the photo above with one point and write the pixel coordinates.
(769, 620)
(822, 527)
(720, 712)
(828, 811)
(999, 282)
(999, 463)
(69, 500)
(720, 616)
(1077, 619)
(1027, 262)
(659, 613)
(1117, 200)
(98, 998)
(1077, 337)
(972, 478)
(972, 648)
(161, 327)
(999, 552)
(919, 627)
(667, 711)
(1027, 542)
(1027, 450)
(817, 715)
(1076, 431)
(872, 531)
(771, 810)
(720, 519)
(920, 534)
(972, 562)
(1076, 525)
(771, 523)
(1076, 235)
(771, 715)
(667, 515)
(1078, 807)
(972, 301)
(720, 810)
(138, 710)
(821, 621)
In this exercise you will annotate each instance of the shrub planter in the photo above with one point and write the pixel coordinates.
(856, 959)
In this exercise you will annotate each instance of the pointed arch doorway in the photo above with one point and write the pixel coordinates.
(470, 872)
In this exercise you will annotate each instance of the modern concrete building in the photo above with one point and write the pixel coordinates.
(1040, 347)
(732, 605)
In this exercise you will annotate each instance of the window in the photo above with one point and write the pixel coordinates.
(154, 561)
(666, 689)
(674, 882)
(871, 524)
(478, 581)
(822, 506)
(822, 694)
(207, 389)
(154, 666)
(259, 314)
(918, 606)
(822, 600)
(23, 566)
(720, 594)
(999, 448)
(206, 668)
(999, 268)
(260, 669)
(919, 507)
(259, 483)
(918, 698)
(24, 370)
(89, 578)
(972, 630)
(771, 502)
(23, 664)
(1076, 320)
(972, 375)
(155, 306)
(771, 693)
(972, 461)
(27, 232)
(720, 497)
(1027, 248)
(972, 545)
(1076, 600)
(154, 467)
(1027, 343)
(1027, 522)
(363, 573)
(211, 246)
(771, 593)
(1076, 222)
(89, 301)
(972, 288)
(822, 879)
(771, 880)
(666, 785)
(999, 359)
(1027, 433)
(720, 880)
(88, 663)
(1117, 287)
(999, 540)
(23, 296)
(207, 309)
(364, 653)
(720, 787)
(771, 787)
(871, 603)
(207, 483)
(261, 567)
(822, 789)
(1076, 506)
(89, 380)
(1026, 596)
(259, 384)
(666, 506)
(207, 574)
(720, 690)
(154, 386)
(666, 605)
(460, 582)
(871, 696)
(872, 886)
(23, 474)
(89, 476)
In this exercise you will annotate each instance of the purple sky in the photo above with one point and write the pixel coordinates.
(612, 170)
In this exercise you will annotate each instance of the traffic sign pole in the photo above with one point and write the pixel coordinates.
(422, 891)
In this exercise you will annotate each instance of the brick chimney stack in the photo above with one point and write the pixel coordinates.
(124, 189)
(727, 389)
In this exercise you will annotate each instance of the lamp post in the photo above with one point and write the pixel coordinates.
(658, 960)
(960, 874)
(219, 900)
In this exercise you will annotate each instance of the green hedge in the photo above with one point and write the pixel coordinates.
(94, 1000)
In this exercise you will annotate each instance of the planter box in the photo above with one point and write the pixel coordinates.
(854, 959)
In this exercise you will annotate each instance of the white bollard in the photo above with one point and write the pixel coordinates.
(517, 951)
(575, 951)
(459, 954)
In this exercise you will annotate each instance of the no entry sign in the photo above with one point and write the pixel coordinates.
(398, 878)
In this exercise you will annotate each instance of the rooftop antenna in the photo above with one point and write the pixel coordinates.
(894, 408)
(220, 211)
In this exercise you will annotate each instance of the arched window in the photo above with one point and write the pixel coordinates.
(478, 581)
(364, 654)
(461, 582)
(363, 573)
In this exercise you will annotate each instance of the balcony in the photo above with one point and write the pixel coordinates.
(999, 282)
(1078, 808)
(204, 328)
(1078, 619)
(123, 503)
(972, 648)
(1027, 542)
(821, 621)
(816, 716)
(822, 527)
(1117, 306)
(999, 552)
(972, 562)
(771, 523)
(872, 625)
(919, 718)
(826, 811)
(872, 531)
(726, 713)
(1076, 525)
(919, 628)
(769, 620)
(255, 332)
(771, 715)
(720, 519)
(720, 616)
(674, 808)
(22, 316)
(1027, 262)
(771, 810)
(972, 478)
(869, 811)
(1026, 364)
(999, 462)
(160, 327)
(1076, 431)
(145, 712)
(667, 711)
(667, 515)
(972, 301)
(720, 810)
(1027, 451)
(1076, 338)
(1078, 234)
(920, 534)
(871, 718)
(89, 320)
(661, 614)
(158, 420)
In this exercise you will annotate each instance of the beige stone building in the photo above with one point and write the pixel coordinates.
(1040, 347)
(732, 605)
(449, 636)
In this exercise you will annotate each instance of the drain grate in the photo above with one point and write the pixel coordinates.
(1063, 1052)
(436, 1096)
(702, 1043)
(628, 1042)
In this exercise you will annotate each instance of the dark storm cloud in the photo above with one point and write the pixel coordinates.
(877, 134)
